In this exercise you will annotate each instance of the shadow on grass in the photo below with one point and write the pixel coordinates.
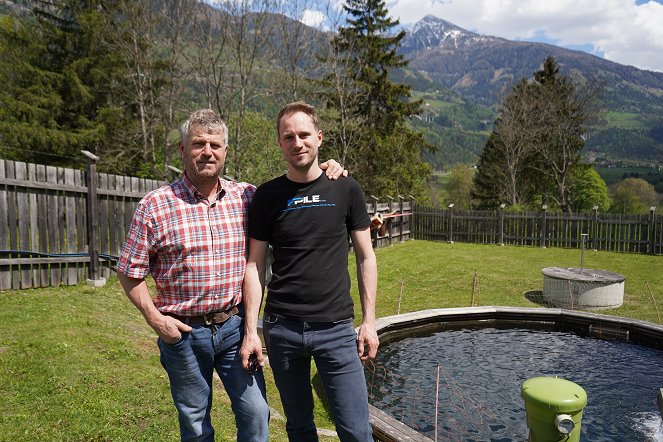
(536, 296)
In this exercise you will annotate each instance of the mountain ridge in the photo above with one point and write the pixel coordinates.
(483, 69)
(464, 52)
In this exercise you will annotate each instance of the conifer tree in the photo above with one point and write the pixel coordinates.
(372, 110)
(62, 87)
(371, 50)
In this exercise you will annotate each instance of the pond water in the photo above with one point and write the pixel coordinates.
(481, 370)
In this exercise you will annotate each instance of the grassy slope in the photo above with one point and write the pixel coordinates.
(78, 363)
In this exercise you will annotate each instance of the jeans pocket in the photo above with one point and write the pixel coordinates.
(172, 344)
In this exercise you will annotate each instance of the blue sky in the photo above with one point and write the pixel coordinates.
(629, 32)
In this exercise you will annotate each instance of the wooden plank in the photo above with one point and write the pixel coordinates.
(62, 233)
(13, 224)
(5, 272)
(70, 220)
(119, 218)
(42, 217)
(113, 208)
(44, 260)
(52, 201)
(81, 231)
(388, 429)
(34, 226)
(23, 212)
(69, 188)
(104, 243)
(129, 207)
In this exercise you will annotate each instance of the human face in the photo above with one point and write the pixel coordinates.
(203, 154)
(299, 141)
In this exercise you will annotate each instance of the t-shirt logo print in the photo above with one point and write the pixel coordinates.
(306, 202)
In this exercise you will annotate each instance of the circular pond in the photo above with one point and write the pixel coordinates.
(482, 365)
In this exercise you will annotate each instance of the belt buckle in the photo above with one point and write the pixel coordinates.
(209, 318)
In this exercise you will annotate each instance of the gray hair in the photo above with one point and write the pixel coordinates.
(206, 118)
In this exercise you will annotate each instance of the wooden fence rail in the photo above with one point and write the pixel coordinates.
(600, 231)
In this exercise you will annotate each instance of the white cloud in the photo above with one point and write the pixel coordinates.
(313, 18)
(621, 30)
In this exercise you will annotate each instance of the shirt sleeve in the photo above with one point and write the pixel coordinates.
(134, 260)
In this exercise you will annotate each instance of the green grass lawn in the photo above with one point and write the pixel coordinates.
(612, 175)
(80, 364)
(624, 120)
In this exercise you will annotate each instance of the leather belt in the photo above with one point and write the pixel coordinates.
(207, 318)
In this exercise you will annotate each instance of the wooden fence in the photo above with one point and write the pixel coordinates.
(44, 221)
(396, 215)
(600, 231)
(46, 235)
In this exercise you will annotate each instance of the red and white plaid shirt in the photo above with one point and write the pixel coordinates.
(195, 251)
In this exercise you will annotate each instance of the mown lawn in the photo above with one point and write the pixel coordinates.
(80, 364)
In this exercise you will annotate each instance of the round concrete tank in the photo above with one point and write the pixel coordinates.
(587, 289)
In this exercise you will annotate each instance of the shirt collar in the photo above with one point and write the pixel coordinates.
(193, 190)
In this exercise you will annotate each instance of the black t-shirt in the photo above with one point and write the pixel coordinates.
(308, 226)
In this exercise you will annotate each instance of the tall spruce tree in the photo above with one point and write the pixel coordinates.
(62, 86)
(373, 108)
(371, 50)
(29, 98)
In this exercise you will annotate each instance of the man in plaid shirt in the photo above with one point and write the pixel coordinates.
(191, 236)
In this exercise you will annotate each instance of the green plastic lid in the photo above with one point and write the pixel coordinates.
(554, 393)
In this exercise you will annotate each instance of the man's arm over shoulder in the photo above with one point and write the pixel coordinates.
(367, 276)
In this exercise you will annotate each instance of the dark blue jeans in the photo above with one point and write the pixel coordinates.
(333, 346)
(190, 364)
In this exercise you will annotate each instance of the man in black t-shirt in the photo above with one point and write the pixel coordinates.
(309, 312)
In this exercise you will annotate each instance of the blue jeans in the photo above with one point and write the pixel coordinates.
(190, 364)
(333, 346)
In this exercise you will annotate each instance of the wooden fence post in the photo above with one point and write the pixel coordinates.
(652, 230)
(414, 222)
(595, 228)
(400, 210)
(543, 226)
(94, 278)
(451, 223)
(502, 224)
(374, 232)
(387, 221)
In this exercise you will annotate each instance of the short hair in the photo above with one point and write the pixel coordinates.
(206, 118)
(297, 106)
